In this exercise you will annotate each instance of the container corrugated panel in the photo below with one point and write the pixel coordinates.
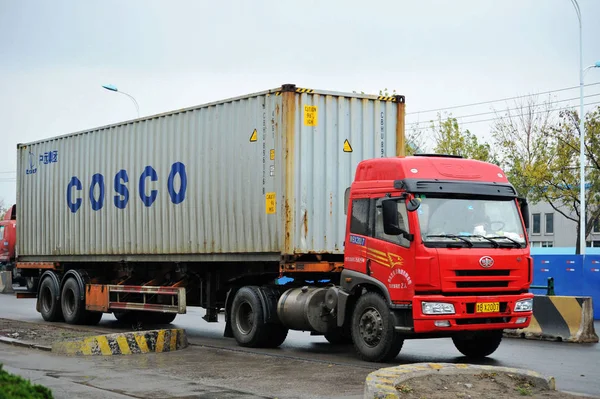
(260, 174)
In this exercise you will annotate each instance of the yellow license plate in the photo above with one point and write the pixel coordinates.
(487, 307)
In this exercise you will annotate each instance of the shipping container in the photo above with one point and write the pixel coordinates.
(253, 177)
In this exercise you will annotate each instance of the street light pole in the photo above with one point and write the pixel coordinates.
(581, 139)
(114, 88)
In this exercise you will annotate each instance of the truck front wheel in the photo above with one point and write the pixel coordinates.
(478, 344)
(373, 332)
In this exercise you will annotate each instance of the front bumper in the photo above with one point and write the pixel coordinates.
(466, 318)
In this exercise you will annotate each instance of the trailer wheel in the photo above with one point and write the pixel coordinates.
(92, 318)
(373, 334)
(124, 316)
(339, 336)
(73, 308)
(247, 321)
(48, 296)
(479, 344)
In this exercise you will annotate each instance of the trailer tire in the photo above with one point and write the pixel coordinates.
(479, 344)
(73, 307)
(373, 334)
(339, 336)
(247, 319)
(50, 307)
(124, 316)
(92, 318)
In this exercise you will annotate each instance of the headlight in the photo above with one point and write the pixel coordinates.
(437, 308)
(524, 305)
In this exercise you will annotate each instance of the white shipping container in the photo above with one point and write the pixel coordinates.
(253, 177)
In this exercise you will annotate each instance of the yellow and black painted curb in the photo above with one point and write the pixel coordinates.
(128, 343)
(382, 383)
(560, 318)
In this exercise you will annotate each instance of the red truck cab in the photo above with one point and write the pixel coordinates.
(8, 236)
(444, 239)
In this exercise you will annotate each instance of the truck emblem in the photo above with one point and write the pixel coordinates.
(486, 261)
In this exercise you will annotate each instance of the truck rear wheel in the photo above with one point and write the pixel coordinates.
(248, 323)
(373, 332)
(478, 344)
(48, 296)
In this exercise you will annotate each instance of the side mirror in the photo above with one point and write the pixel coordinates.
(413, 205)
(391, 221)
(524, 211)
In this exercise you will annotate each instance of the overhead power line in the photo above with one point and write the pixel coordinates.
(504, 110)
(517, 115)
(499, 100)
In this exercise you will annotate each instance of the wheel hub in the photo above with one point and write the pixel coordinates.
(371, 327)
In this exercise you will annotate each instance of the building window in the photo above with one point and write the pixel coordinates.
(594, 244)
(536, 225)
(542, 244)
(549, 223)
(596, 226)
(360, 217)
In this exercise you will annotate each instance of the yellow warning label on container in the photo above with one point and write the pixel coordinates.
(270, 203)
(254, 136)
(272, 155)
(311, 115)
(347, 146)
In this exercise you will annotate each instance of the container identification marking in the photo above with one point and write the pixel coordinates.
(270, 203)
(311, 115)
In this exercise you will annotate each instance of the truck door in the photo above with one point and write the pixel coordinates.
(390, 257)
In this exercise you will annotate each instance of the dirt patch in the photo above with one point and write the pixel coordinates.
(484, 385)
(41, 334)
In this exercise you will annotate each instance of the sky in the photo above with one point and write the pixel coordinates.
(56, 55)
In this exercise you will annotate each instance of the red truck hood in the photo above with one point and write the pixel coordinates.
(480, 270)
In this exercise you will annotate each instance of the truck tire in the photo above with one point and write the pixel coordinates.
(373, 334)
(248, 323)
(479, 344)
(50, 307)
(124, 316)
(73, 307)
(277, 335)
(339, 336)
(32, 283)
(92, 318)
(160, 318)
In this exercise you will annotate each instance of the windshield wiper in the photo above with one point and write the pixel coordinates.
(517, 243)
(469, 243)
(490, 239)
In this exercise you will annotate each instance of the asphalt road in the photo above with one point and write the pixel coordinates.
(575, 366)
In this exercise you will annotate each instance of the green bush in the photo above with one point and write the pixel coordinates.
(15, 387)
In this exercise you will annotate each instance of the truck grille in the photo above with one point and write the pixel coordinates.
(481, 279)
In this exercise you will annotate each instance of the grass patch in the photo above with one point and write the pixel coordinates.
(16, 387)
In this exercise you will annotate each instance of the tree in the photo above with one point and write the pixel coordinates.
(560, 185)
(539, 152)
(452, 140)
(3, 207)
(521, 135)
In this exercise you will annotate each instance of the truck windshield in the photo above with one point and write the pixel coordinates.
(466, 222)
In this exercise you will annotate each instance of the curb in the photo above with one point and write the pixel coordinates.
(382, 383)
(6, 283)
(24, 344)
(128, 343)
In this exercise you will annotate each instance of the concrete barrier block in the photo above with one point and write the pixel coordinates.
(560, 318)
(6, 283)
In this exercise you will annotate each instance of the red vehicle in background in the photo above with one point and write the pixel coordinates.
(8, 238)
